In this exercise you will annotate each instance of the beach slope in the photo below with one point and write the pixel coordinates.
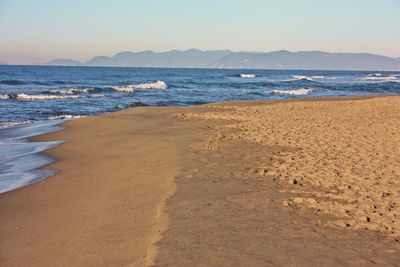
(104, 205)
(293, 183)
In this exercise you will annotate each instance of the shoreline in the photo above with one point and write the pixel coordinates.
(146, 181)
(60, 125)
(21, 163)
(171, 142)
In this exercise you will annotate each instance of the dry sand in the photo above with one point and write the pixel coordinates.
(294, 183)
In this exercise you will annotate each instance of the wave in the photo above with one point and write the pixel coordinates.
(142, 86)
(65, 117)
(60, 82)
(323, 78)
(302, 78)
(378, 77)
(302, 91)
(9, 124)
(12, 82)
(49, 83)
(71, 91)
(27, 97)
(244, 75)
(97, 95)
(41, 83)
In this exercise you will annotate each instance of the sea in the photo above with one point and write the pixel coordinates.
(37, 99)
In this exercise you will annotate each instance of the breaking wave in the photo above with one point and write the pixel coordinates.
(9, 124)
(323, 78)
(71, 91)
(244, 75)
(302, 91)
(141, 86)
(27, 97)
(65, 117)
(303, 78)
(379, 77)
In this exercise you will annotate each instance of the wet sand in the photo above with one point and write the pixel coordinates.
(292, 183)
(104, 205)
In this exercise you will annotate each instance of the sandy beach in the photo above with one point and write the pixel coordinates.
(253, 183)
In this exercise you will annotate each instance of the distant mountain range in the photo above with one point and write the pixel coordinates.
(191, 58)
(283, 59)
(64, 62)
(3, 63)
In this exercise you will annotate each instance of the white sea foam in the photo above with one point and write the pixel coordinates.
(380, 78)
(13, 123)
(323, 78)
(299, 77)
(244, 75)
(302, 91)
(124, 88)
(27, 97)
(4, 97)
(142, 86)
(375, 75)
(65, 117)
(70, 91)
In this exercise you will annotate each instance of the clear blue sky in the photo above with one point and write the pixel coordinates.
(33, 31)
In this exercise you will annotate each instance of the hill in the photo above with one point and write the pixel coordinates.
(64, 62)
(282, 59)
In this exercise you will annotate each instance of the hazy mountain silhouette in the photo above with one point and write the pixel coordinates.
(189, 58)
(282, 59)
(64, 62)
(3, 63)
(308, 60)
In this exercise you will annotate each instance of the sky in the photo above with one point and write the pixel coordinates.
(36, 31)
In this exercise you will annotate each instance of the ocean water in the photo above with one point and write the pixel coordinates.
(34, 99)
(20, 160)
